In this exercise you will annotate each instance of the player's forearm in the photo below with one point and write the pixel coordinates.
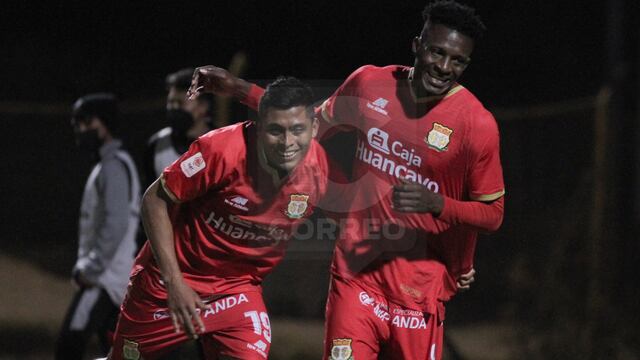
(159, 230)
(248, 93)
(484, 216)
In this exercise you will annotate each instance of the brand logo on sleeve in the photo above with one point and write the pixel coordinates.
(297, 206)
(193, 165)
(439, 136)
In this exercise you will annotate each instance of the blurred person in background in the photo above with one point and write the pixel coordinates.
(187, 120)
(109, 218)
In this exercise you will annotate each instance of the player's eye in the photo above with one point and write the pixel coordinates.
(298, 130)
(461, 62)
(435, 52)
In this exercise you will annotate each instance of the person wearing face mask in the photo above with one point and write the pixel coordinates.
(109, 219)
(187, 120)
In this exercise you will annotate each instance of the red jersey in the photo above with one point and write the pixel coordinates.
(233, 218)
(450, 146)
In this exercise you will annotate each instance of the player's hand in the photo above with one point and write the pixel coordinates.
(183, 303)
(413, 197)
(465, 280)
(81, 281)
(212, 79)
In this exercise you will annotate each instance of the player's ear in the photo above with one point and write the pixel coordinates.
(415, 44)
(314, 127)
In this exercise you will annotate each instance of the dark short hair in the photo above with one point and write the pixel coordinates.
(101, 105)
(456, 16)
(285, 93)
(180, 79)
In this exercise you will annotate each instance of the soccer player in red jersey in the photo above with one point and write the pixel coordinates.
(427, 177)
(218, 221)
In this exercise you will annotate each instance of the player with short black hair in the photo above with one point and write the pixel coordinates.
(455, 16)
(218, 221)
(284, 93)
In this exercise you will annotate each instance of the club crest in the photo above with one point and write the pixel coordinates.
(341, 350)
(130, 350)
(297, 206)
(439, 136)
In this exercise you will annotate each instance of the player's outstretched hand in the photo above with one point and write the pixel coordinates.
(413, 197)
(215, 80)
(183, 302)
(465, 280)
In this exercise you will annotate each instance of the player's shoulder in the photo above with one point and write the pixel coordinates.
(379, 72)
(317, 158)
(227, 136)
(160, 134)
(228, 142)
(474, 112)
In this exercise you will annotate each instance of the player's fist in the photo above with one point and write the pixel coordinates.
(465, 280)
(215, 80)
(412, 197)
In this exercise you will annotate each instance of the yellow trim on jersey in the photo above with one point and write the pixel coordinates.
(489, 197)
(169, 193)
(454, 90)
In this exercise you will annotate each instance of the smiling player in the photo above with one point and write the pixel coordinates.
(218, 221)
(427, 160)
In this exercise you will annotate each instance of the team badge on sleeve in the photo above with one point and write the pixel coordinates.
(341, 350)
(297, 206)
(439, 136)
(193, 165)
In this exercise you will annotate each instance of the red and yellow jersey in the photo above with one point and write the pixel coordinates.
(449, 145)
(233, 216)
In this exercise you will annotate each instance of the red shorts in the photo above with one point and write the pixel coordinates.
(363, 325)
(237, 325)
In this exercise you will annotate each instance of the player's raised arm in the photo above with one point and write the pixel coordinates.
(221, 82)
(182, 300)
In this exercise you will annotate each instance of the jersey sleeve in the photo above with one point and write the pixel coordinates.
(201, 168)
(253, 97)
(341, 108)
(486, 182)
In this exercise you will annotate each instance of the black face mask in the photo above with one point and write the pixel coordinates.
(88, 141)
(180, 121)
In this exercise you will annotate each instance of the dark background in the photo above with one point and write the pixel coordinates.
(539, 69)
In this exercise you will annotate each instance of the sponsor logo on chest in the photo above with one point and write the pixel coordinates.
(393, 157)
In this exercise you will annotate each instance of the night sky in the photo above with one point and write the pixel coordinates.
(533, 52)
